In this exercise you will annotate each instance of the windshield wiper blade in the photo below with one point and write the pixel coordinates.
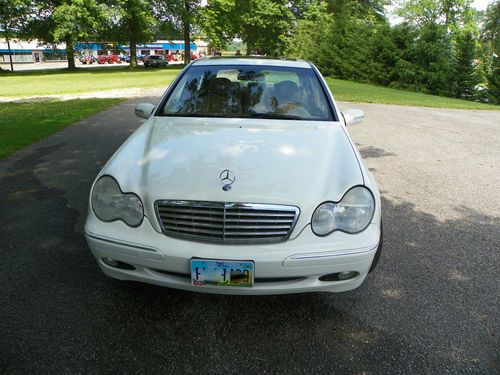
(275, 116)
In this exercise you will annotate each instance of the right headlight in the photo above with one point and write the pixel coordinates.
(352, 214)
(110, 204)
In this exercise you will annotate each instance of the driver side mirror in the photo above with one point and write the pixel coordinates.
(353, 116)
(144, 110)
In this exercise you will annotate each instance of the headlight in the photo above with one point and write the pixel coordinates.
(352, 214)
(110, 204)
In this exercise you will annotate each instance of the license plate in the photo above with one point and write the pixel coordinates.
(222, 272)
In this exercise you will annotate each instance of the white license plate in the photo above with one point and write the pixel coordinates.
(233, 273)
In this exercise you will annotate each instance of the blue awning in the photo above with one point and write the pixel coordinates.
(169, 46)
(18, 50)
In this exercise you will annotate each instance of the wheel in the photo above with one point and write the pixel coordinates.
(101, 61)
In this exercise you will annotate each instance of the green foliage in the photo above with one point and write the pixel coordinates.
(494, 81)
(13, 16)
(425, 65)
(77, 19)
(491, 27)
(262, 24)
(465, 75)
(133, 23)
(217, 21)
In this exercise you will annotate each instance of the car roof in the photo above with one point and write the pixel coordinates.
(265, 61)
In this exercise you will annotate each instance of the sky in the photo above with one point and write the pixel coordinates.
(481, 4)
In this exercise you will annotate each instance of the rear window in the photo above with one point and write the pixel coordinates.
(248, 91)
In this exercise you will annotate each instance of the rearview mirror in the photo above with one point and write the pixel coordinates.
(144, 110)
(353, 116)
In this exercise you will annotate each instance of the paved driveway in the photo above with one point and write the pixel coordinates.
(432, 306)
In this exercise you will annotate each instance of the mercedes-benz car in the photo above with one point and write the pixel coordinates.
(242, 180)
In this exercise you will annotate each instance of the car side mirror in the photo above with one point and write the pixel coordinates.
(353, 116)
(144, 110)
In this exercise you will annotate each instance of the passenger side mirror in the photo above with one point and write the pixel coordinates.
(144, 110)
(353, 116)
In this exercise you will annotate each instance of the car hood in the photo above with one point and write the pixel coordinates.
(300, 163)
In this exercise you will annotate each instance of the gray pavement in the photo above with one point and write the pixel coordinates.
(431, 307)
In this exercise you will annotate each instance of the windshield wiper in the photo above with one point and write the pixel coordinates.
(275, 116)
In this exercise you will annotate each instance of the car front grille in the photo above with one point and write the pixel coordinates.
(224, 222)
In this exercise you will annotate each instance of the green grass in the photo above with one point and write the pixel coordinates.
(364, 93)
(21, 124)
(85, 80)
(61, 81)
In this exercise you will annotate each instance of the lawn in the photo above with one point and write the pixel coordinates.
(364, 93)
(24, 123)
(85, 80)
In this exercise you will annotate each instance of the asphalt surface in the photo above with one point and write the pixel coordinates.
(431, 307)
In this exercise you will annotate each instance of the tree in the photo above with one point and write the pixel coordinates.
(216, 19)
(75, 20)
(465, 75)
(263, 25)
(66, 21)
(490, 38)
(173, 15)
(13, 16)
(133, 23)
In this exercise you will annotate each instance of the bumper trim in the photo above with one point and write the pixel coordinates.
(121, 243)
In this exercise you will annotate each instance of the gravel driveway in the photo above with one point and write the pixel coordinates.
(432, 306)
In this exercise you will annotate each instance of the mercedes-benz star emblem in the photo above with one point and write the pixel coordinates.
(227, 178)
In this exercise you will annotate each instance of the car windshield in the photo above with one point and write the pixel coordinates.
(154, 57)
(248, 91)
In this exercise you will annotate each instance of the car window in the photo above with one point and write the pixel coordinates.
(248, 91)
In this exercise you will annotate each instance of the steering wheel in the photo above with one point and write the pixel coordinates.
(294, 108)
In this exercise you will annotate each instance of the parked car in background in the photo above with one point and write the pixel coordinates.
(243, 180)
(88, 59)
(110, 59)
(157, 61)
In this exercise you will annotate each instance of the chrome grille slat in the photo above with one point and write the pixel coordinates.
(222, 222)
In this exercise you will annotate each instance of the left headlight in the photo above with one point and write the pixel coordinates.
(352, 214)
(110, 204)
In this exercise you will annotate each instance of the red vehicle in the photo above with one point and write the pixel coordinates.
(110, 59)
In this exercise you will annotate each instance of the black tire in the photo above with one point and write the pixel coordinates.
(376, 258)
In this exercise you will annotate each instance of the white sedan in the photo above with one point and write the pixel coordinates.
(243, 180)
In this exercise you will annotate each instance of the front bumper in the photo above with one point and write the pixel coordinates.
(294, 266)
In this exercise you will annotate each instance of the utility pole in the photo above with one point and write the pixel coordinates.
(10, 51)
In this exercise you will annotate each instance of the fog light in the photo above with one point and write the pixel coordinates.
(110, 262)
(347, 275)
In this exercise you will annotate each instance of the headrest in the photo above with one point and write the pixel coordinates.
(286, 89)
(220, 86)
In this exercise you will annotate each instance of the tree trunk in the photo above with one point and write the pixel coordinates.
(187, 35)
(10, 53)
(249, 47)
(133, 53)
(70, 53)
